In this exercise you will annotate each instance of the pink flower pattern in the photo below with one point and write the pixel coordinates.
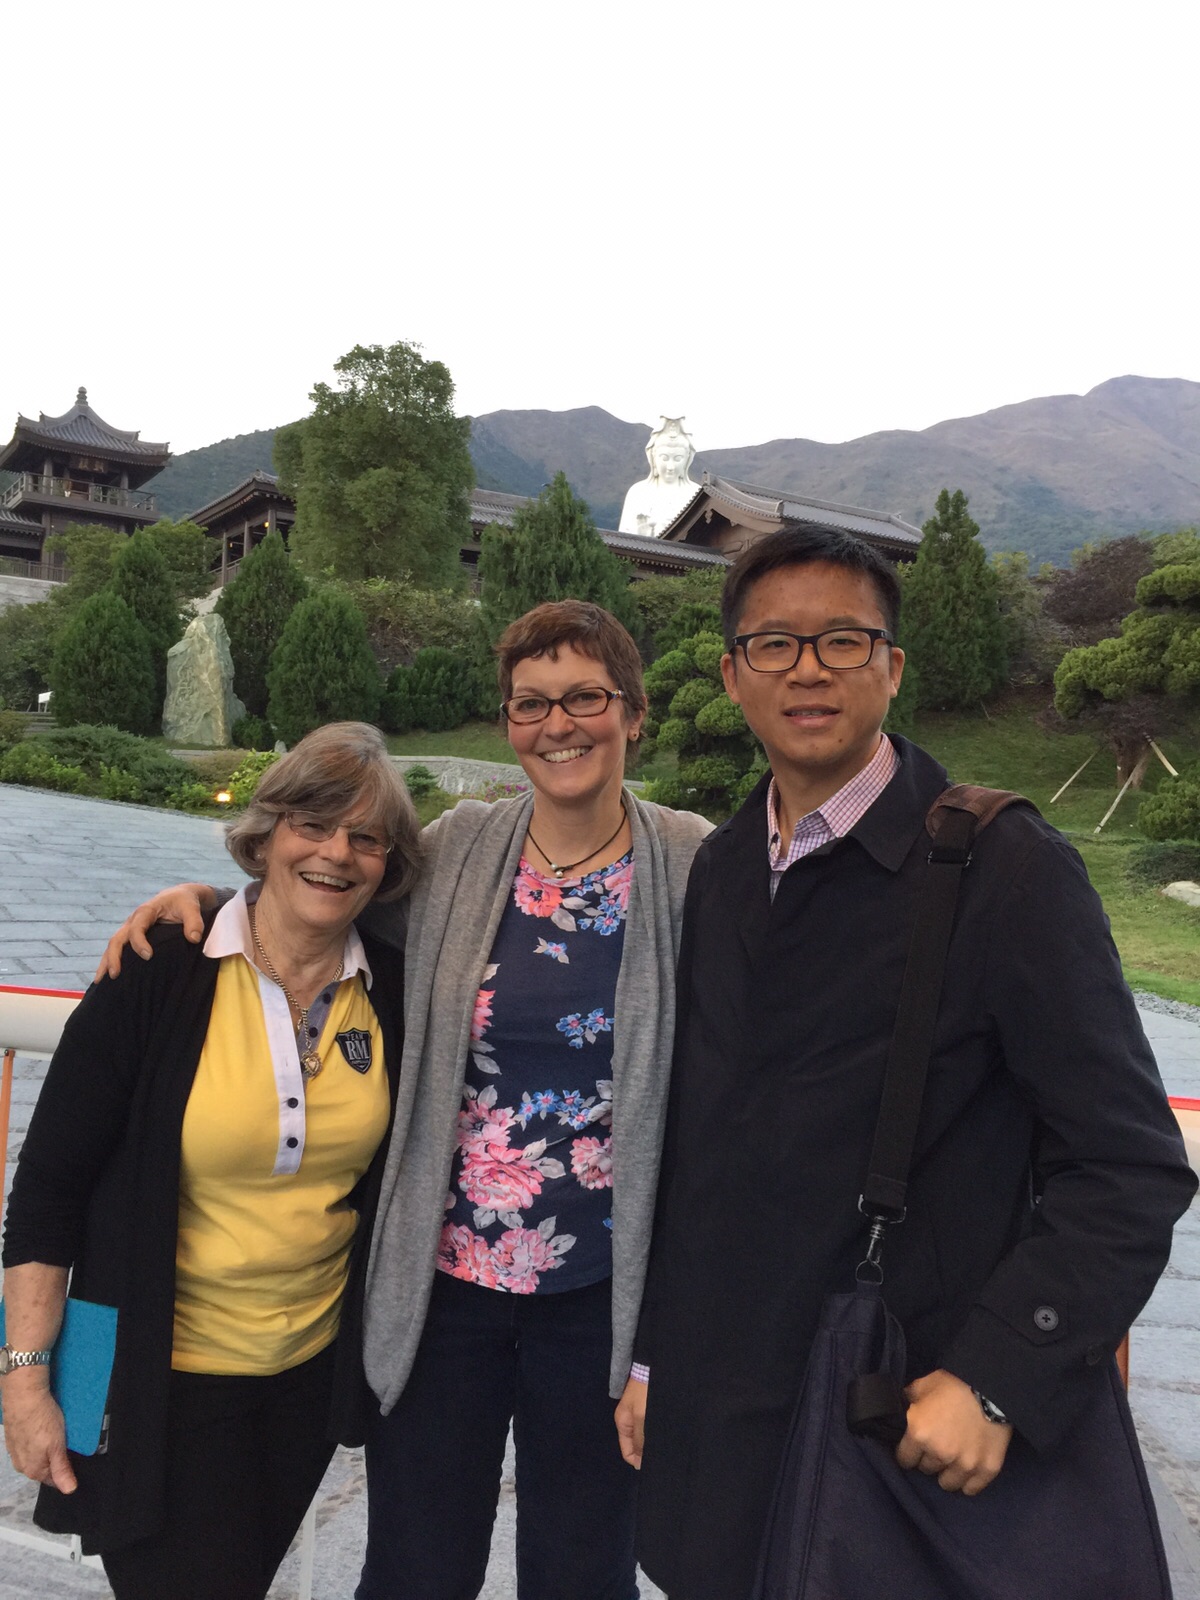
(498, 1231)
(591, 1162)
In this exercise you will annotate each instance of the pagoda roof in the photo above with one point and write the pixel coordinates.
(790, 510)
(14, 525)
(260, 485)
(83, 429)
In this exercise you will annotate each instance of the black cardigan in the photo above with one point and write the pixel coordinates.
(97, 1190)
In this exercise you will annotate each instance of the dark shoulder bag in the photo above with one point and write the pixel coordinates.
(848, 1523)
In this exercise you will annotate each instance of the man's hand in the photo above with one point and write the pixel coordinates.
(34, 1430)
(181, 903)
(948, 1435)
(631, 1421)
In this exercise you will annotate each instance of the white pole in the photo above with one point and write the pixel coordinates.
(1116, 802)
(1073, 776)
(1163, 759)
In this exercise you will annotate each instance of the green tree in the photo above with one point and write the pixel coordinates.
(323, 669)
(103, 668)
(951, 627)
(188, 552)
(143, 580)
(657, 601)
(402, 619)
(1146, 682)
(28, 635)
(719, 759)
(88, 550)
(551, 552)
(1034, 643)
(255, 608)
(436, 693)
(381, 471)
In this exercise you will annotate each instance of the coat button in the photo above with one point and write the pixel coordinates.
(1045, 1318)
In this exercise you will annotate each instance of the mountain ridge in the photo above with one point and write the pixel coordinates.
(1044, 475)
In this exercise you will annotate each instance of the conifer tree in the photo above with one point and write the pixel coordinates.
(255, 608)
(323, 669)
(103, 668)
(951, 626)
(552, 552)
(142, 578)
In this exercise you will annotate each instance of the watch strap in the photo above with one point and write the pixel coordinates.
(11, 1359)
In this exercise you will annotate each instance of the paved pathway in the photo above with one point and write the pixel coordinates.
(71, 868)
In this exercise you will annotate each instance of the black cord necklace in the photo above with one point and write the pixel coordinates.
(561, 871)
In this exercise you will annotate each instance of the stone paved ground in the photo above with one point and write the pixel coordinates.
(70, 869)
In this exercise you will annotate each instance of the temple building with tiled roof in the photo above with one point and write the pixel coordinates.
(74, 468)
(726, 516)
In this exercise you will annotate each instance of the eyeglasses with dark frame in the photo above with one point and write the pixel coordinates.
(316, 832)
(525, 708)
(839, 649)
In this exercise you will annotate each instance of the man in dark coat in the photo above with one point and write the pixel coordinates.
(796, 928)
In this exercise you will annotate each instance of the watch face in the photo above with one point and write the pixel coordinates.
(4, 1361)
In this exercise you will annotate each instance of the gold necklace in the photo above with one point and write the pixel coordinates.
(557, 870)
(310, 1056)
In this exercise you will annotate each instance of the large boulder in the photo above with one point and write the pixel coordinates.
(201, 706)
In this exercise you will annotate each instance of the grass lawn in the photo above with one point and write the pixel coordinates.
(474, 741)
(1159, 939)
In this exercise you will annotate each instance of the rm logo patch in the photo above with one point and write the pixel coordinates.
(355, 1045)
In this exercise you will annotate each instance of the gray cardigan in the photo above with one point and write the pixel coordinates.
(472, 854)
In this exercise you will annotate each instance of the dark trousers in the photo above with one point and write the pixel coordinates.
(433, 1464)
(244, 1458)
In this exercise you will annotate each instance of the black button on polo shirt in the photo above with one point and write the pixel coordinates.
(292, 1143)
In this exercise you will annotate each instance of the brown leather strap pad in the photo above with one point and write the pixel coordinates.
(983, 804)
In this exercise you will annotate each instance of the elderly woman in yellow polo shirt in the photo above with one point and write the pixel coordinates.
(205, 1156)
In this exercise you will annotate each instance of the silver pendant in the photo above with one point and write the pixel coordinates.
(310, 1063)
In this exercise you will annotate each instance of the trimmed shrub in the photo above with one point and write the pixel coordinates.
(1174, 811)
(103, 668)
(244, 779)
(12, 729)
(1156, 862)
(323, 669)
(420, 781)
(127, 760)
(30, 763)
(436, 693)
(718, 757)
(253, 733)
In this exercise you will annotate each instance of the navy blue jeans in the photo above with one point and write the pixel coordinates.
(486, 1359)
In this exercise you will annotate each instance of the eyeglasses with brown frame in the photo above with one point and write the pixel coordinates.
(524, 708)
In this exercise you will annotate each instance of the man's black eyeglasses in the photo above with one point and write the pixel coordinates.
(577, 703)
(840, 649)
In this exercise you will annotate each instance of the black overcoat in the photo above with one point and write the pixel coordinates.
(1041, 1082)
(97, 1190)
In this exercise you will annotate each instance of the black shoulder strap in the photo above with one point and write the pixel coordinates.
(953, 821)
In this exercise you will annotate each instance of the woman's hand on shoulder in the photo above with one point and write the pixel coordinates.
(183, 902)
(35, 1432)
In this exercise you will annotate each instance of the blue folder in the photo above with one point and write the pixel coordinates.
(81, 1369)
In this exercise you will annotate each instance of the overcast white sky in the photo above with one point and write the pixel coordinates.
(780, 220)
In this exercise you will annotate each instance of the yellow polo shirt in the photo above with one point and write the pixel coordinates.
(262, 1250)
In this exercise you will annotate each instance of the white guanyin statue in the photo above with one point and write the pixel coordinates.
(654, 503)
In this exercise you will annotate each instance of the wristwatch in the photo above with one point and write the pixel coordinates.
(992, 1412)
(10, 1358)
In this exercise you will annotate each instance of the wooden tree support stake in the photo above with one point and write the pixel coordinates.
(1163, 759)
(1073, 776)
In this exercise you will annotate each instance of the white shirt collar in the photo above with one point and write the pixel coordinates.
(230, 936)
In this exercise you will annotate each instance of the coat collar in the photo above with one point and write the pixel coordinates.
(886, 830)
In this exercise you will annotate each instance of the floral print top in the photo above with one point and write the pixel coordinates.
(530, 1202)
